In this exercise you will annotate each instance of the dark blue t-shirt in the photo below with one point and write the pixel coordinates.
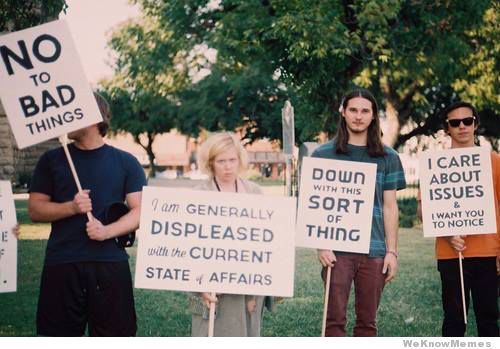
(110, 174)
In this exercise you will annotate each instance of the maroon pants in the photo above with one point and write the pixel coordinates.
(368, 285)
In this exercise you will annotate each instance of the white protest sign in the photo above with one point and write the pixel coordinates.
(204, 241)
(8, 242)
(457, 192)
(43, 88)
(335, 205)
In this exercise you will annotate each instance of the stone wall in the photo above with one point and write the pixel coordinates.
(6, 149)
(17, 165)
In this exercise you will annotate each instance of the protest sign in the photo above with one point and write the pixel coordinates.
(335, 205)
(457, 192)
(8, 242)
(42, 84)
(205, 241)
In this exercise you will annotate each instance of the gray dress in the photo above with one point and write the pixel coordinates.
(232, 318)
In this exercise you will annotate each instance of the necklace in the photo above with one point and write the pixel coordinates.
(235, 185)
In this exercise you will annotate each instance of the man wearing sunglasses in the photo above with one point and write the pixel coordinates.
(481, 253)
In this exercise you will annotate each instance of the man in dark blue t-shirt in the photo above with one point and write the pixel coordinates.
(86, 277)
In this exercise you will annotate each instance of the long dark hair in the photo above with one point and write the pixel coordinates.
(374, 144)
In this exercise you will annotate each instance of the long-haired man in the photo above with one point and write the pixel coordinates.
(359, 138)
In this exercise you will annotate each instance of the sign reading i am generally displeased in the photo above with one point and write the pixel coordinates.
(8, 242)
(335, 205)
(457, 192)
(42, 84)
(205, 241)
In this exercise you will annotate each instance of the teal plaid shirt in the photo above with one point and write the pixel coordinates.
(390, 176)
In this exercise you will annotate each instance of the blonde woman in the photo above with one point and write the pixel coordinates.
(223, 158)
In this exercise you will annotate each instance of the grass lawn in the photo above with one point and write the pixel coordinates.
(410, 306)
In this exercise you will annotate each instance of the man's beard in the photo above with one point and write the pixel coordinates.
(357, 131)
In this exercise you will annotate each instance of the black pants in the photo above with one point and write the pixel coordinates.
(99, 294)
(480, 281)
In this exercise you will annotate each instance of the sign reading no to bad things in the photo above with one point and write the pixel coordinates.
(42, 84)
(8, 242)
(205, 241)
(336, 205)
(457, 192)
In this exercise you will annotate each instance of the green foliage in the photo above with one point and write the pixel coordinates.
(408, 52)
(22, 212)
(407, 212)
(231, 98)
(481, 83)
(150, 69)
(16, 15)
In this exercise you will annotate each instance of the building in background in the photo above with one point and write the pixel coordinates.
(176, 155)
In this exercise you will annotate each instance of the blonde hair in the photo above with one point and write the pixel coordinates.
(217, 144)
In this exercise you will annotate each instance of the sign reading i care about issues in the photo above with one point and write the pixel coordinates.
(457, 192)
(336, 205)
(8, 242)
(42, 84)
(204, 241)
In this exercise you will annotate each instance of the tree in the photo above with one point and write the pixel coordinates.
(408, 52)
(477, 83)
(481, 84)
(150, 69)
(230, 98)
(15, 16)
(431, 44)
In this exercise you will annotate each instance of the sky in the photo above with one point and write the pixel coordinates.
(91, 23)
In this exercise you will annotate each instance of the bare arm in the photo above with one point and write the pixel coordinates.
(42, 209)
(391, 224)
(129, 222)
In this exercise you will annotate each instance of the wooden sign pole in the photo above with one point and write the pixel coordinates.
(460, 257)
(211, 317)
(64, 142)
(327, 293)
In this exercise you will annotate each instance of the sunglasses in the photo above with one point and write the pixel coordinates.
(456, 122)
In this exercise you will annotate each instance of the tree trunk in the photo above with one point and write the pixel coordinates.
(151, 155)
(149, 151)
(392, 124)
(495, 142)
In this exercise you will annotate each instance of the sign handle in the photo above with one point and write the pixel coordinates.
(460, 257)
(327, 293)
(288, 175)
(64, 142)
(211, 317)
